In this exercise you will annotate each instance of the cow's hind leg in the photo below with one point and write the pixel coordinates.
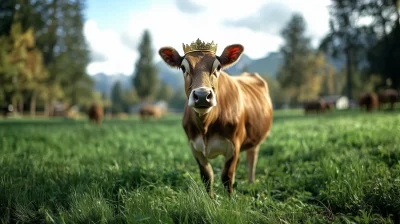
(252, 156)
(206, 172)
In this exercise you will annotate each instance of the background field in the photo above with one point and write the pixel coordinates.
(340, 167)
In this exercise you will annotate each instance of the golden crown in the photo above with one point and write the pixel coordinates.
(199, 45)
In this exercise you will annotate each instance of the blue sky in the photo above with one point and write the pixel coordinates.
(113, 28)
(113, 14)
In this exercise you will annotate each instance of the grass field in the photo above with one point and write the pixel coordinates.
(342, 167)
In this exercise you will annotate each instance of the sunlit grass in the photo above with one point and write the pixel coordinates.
(340, 167)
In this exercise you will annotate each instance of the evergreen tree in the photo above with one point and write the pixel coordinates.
(145, 78)
(58, 26)
(165, 92)
(383, 55)
(116, 98)
(345, 37)
(77, 84)
(296, 52)
(275, 90)
(7, 11)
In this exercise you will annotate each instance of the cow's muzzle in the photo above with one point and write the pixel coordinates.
(202, 98)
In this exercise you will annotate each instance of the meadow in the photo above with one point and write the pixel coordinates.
(339, 167)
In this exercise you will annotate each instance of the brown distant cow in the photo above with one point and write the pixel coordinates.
(390, 96)
(329, 106)
(369, 100)
(316, 105)
(96, 113)
(223, 115)
(149, 110)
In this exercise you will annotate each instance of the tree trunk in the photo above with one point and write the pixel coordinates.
(386, 46)
(46, 109)
(397, 5)
(51, 109)
(15, 104)
(349, 74)
(21, 106)
(33, 104)
(395, 52)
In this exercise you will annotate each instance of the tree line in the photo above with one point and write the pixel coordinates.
(43, 54)
(146, 84)
(43, 57)
(371, 50)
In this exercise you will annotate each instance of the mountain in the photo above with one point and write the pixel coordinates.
(267, 65)
(103, 82)
(173, 77)
(240, 66)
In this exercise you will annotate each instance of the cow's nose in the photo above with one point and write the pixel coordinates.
(202, 95)
(202, 98)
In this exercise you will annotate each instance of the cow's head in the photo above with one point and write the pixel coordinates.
(201, 70)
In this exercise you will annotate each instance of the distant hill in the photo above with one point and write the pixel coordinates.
(173, 77)
(104, 83)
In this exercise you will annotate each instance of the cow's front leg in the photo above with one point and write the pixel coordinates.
(206, 171)
(228, 173)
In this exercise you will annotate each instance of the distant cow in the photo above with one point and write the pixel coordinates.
(96, 113)
(329, 106)
(223, 115)
(390, 96)
(369, 100)
(149, 110)
(316, 105)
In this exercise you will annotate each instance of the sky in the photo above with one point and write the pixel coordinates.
(113, 29)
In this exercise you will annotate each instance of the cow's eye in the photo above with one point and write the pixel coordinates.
(183, 69)
(216, 67)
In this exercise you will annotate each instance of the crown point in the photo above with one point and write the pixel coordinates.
(199, 45)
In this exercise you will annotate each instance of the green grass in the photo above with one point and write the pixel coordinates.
(341, 167)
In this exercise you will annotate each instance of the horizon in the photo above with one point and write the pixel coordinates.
(113, 40)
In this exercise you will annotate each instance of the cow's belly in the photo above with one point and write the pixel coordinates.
(216, 146)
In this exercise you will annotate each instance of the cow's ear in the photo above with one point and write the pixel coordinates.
(231, 55)
(170, 56)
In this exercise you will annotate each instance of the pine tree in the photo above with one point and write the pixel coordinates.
(296, 52)
(58, 26)
(116, 98)
(345, 37)
(165, 92)
(77, 84)
(7, 11)
(58, 34)
(145, 79)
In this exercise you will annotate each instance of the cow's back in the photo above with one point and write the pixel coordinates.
(257, 105)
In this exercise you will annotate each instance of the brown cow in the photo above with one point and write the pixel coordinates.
(316, 105)
(390, 96)
(224, 114)
(369, 100)
(96, 113)
(329, 106)
(149, 110)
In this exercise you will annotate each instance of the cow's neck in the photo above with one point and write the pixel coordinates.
(203, 121)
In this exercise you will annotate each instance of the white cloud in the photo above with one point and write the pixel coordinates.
(118, 57)
(171, 27)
